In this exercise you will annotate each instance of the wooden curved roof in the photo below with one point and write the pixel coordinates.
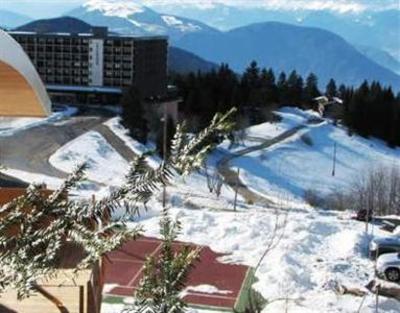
(22, 92)
(17, 97)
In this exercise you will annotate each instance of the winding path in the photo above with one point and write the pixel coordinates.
(233, 180)
(29, 150)
(115, 142)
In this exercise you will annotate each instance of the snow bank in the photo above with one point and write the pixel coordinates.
(85, 190)
(105, 165)
(34, 178)
(207, 289)
(11, 125)
(115, 125)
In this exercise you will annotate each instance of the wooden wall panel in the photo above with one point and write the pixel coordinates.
(17, 98)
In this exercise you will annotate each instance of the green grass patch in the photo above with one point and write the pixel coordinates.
(248, 295)
(113, 299)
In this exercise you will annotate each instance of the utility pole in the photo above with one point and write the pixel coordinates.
(165, 151)
(334, 160)
(378, 285)
(236, 189)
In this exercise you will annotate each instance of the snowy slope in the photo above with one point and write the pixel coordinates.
(293, 166)
(129, 17)
(105, 165)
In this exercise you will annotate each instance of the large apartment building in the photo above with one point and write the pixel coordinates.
(96, 66)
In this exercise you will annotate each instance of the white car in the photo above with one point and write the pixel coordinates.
(388, 266)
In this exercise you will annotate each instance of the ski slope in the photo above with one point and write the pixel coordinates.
(295, 166)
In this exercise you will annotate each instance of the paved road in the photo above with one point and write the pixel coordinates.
(231, 178)
(29, 150)
(118, 144)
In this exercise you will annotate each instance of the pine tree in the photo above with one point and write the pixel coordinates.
(250, 84)
(269, 90)
(133, 115)
(35, 228)
(295, 89)
(331, 89)
(164, 276)
(283, 89)
(311, 89)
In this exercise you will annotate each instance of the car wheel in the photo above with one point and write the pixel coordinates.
(392, 274)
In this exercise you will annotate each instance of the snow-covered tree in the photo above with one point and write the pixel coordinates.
(164, 279)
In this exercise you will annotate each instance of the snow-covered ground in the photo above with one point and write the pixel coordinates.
(316, 249)
(11, 125)
(296, 166)
(104, 164)
(291, 117)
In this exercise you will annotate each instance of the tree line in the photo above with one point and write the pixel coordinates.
(368, 110)
(372, 110)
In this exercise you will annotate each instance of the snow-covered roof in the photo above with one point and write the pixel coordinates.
(321, 98)
(337, 100)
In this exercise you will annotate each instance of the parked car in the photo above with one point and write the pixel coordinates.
(388, 266)
(362, 215)
(383, 245)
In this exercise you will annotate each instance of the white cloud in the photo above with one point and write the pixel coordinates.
(333, 5)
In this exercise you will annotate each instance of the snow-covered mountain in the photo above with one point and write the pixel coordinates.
(128, 17)
(367, 23)
(286, 47)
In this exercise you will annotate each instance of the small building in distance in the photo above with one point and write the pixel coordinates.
(22, 92)
(95, 67)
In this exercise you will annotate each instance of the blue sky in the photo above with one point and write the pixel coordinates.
(46, 8)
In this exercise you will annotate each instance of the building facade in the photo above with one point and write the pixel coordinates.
(97, 63)
(22, 92)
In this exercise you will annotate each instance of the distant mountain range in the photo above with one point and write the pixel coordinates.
(127, 17)
(57, 25)
(10, 19)
(179, 60)
(376, 28)
(286, 47)
(381, 57)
